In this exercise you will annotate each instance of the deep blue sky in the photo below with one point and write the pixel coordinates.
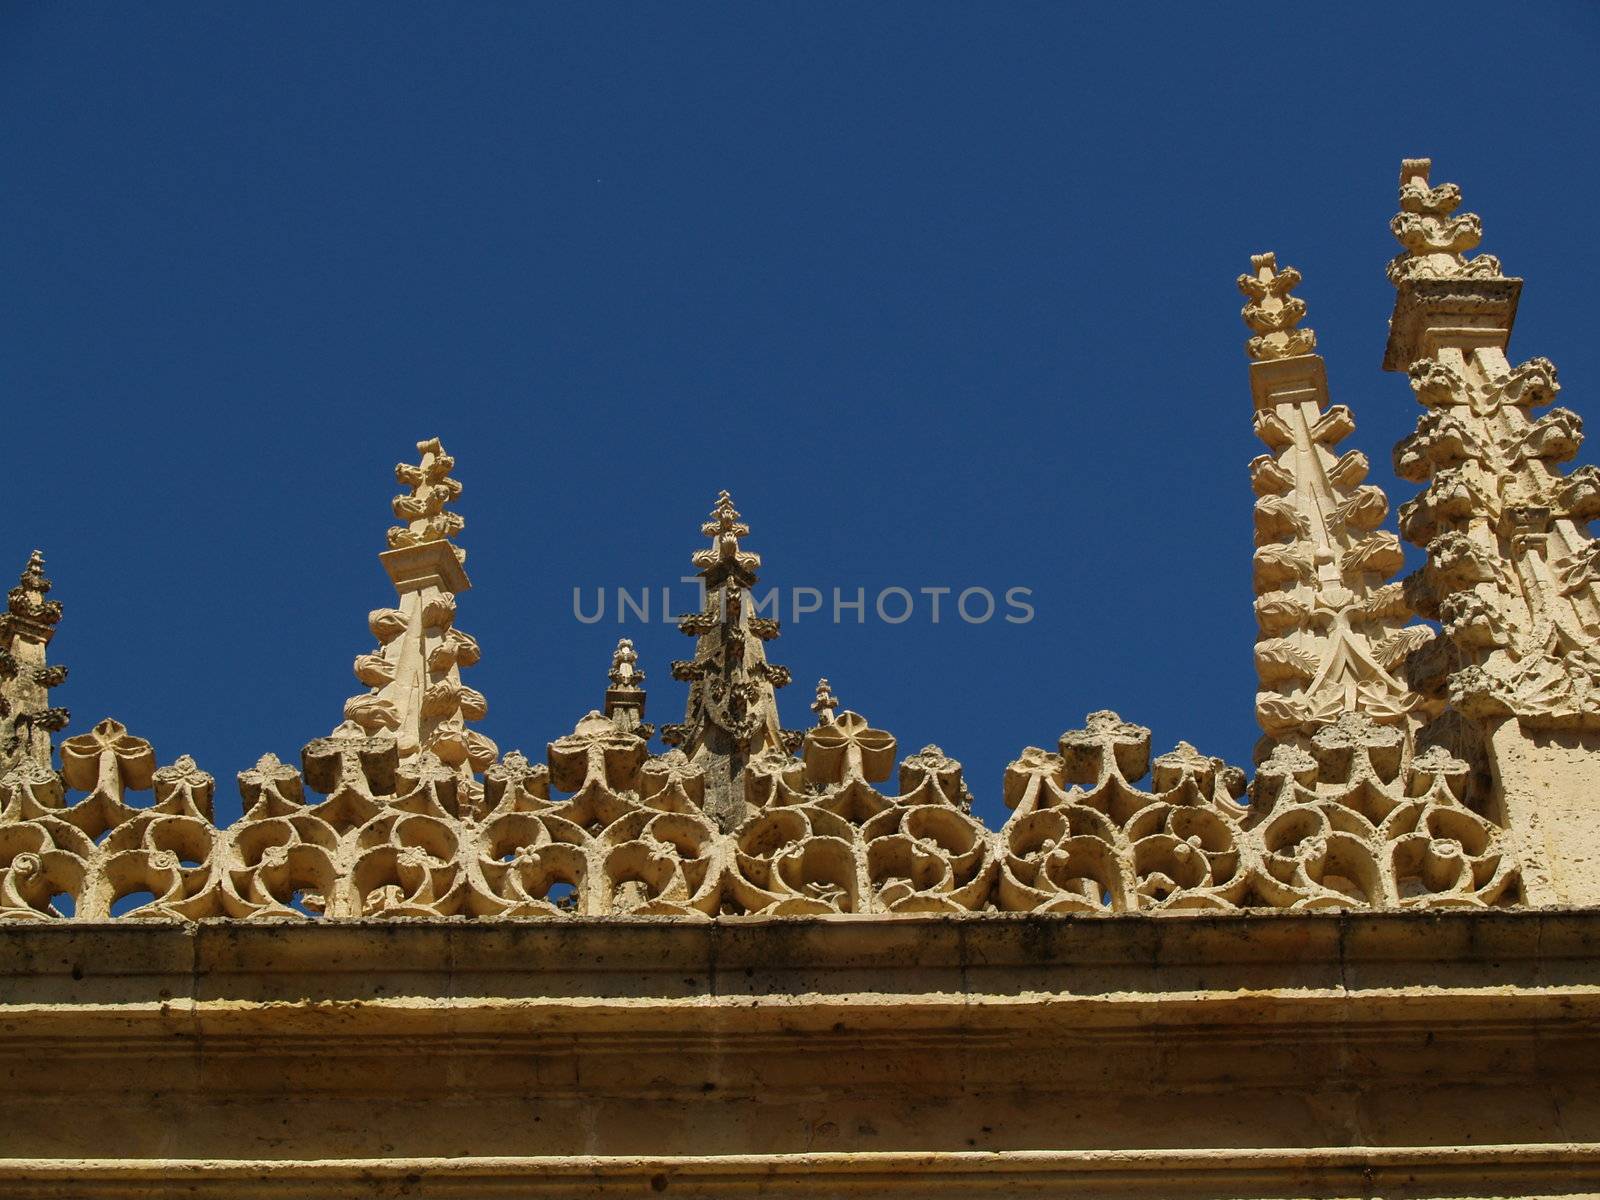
(942, 293)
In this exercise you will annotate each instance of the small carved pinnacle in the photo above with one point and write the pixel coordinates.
(625, 698)
(1435, 238)
(1272, 313)
(725, 529)
(825, 703)
(423, 508)
(623, 672)
(27, 626)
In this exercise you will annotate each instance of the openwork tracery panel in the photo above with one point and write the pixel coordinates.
(1371, 787)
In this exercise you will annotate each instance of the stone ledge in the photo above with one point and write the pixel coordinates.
(1240, 1037)
(640, 978)
(1400, 1171)
(670, 959)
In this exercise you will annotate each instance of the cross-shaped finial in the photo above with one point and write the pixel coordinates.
(725, 529)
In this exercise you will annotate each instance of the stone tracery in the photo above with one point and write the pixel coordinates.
(1361, 796)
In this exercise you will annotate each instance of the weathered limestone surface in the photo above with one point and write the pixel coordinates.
(1333, 625)
(404, 811)
(26, 627)
(1548, 786)
(1318, 1054)
(1355, 817)
(1511, 565)
(792, 963)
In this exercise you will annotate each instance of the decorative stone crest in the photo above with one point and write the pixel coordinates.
(1373, 787)
(1353, 822)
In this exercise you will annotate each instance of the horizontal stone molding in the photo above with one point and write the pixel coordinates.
(1566, 1169)
(795, 962)
(1070, 1057)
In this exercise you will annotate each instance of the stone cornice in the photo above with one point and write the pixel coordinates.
(1217, 1055)
(1171, 1174)
(653, 968)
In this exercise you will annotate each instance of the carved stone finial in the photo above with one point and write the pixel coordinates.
(1434, 238)
(26, 604)
(108, 758)
(415, 673)
(597, 751)
(423, 508)
(1105, 744)
(623, 672)
(732, 711)
(1331, 637)
(625, 698)
(725, 555)
(825, 703)
(26, 627)
(1444, 301)
(1272, 312)
(933, 769)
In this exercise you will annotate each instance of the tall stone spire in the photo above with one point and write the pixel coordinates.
(415, 674)
(1511, 570)
(28, 624)
(1332, 624)
(732, 711)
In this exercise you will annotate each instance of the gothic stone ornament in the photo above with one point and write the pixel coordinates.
(26, 627)
(731, 716)
(416, 691)
(102, 855)
(1377, 785)
(1509, 571)
(1333, 630)
(394, 815)
(1435, 239)
(1353, 822)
